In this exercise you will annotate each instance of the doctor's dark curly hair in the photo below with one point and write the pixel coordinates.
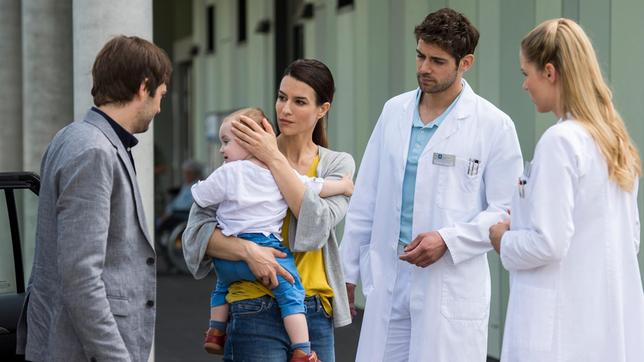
(449, 30)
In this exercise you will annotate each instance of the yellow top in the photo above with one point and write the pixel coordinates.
(310, 266)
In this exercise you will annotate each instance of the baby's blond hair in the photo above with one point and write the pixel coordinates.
(254, 113)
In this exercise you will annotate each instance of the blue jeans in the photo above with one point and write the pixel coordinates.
(256, 331)
(290, 297)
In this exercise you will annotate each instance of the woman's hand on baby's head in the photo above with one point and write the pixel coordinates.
(249, 123)
(267, 126)
(259, 140)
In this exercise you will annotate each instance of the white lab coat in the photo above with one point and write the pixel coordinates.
(575, 287)
(449, 300)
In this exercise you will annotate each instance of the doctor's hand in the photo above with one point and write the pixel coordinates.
(496, 233)
(351, 294)
(425, 250)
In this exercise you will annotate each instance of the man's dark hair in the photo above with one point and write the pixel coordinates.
(123, 64)
(450, 31)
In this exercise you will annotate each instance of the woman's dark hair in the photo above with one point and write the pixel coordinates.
(450, 31)
(317, 76)
(123, 64)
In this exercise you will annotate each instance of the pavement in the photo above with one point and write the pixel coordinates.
(182, 317)
(183, 309)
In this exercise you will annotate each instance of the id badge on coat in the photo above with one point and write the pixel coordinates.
(444, 159)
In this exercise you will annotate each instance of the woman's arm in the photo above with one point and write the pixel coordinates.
(195, 239)
(262, 144)
(202, 240)
(260, 260)
(318, 216)
(291, 187)
(496, 234)
(335, 187)
(558, 164)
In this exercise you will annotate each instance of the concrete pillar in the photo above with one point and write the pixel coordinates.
(47, 74)
(116, 17)
(95, 22)
(10, 87)
(47, 104)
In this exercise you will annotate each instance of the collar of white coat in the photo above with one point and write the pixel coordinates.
(462, 109)
(566, 117)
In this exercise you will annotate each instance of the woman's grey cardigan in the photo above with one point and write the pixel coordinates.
(313, 229)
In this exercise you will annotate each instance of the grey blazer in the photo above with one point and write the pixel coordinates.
(312, 230)
(91, 295)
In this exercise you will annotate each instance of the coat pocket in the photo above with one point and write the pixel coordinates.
(459, 185)
(119, 306)
(464, 295)
(531, 317)
(464, 309)
(471, 174)
(365, 270)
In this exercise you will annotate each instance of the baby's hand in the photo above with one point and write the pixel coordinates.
(347, 184)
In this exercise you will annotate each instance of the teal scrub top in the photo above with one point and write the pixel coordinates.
(420, 136)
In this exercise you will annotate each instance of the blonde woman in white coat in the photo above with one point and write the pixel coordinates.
(575, 287)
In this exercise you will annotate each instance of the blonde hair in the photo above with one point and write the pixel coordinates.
(255, 113)
(584, 94)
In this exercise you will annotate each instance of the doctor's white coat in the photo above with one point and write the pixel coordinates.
(449, 300)
(575, 287)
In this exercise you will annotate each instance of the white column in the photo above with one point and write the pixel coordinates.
(47, 105)
(95, 22)
(47, 75)
(10, 87)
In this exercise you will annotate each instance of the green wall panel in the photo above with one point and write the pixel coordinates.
(570, 9)
(487, 62)
(544, 10)
(343, 123)
(470, 9)
(594, 17)
(517, 18)
(626, 78)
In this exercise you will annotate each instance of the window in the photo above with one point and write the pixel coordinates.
(308, 11)
(298, 41)
(18, 208)
(345, 4)
(241, 21)
(210, 29)
(8, 283)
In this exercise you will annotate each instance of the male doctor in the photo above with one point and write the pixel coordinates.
(439, 169)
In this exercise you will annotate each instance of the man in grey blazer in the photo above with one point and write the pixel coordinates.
(91, 296)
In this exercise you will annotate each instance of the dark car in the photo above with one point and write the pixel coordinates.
(18, 209)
